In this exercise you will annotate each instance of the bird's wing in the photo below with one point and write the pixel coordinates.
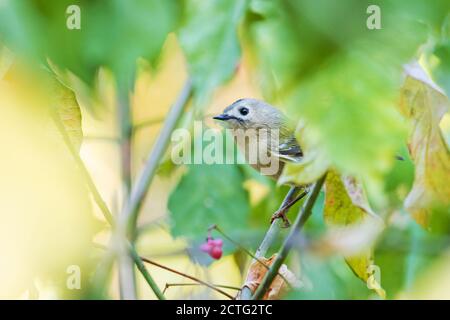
(289, 150)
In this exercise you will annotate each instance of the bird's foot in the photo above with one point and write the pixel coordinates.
(281, 214)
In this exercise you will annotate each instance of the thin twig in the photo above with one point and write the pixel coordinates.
(155, 121)
(255, 258)
(168, 285)
(300, 220)
(148, 278)
(276, 226)
(129, 214)
(211, 286)
(297, 199)
(127, 276)
(147, 260)
(138, 260)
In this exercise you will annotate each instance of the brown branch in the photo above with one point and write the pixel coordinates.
(211, 286)
(147, 260)
(168, 285)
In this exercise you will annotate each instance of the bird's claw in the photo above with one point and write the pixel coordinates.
(281, 214)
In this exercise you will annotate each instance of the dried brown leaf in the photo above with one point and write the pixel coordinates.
(279, 287)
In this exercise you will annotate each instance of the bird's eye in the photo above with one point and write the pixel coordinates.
(243, 111)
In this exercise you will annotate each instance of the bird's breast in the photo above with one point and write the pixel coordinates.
(256, 149)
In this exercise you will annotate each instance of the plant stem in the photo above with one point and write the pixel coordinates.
(127, 276)
(140, 265)
(270, 237)
(140, 189)
(129, 214)
(155, 121)
(275, 228)
(186, 276)
(106, 265)
(300, 220)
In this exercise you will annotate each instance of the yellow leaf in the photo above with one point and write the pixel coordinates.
(61, 98)
(424, 103)
(346, 206)
(68, 110)
(45, 208)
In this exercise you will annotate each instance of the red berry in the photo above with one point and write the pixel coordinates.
(213, 247)
(216, 253)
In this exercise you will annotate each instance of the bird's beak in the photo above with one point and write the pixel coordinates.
(222, 117)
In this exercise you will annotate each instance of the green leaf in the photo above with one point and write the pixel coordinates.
(404, 252)
(6, 60)
(328, 70)
(207, 195)
(113, 33)
(441, 51)
(210, 42)
(424, 103)
(346, 206)
(442, 71)
(398, 181)
(328, 279)
(61, 98)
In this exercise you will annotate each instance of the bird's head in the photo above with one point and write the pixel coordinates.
(251, 114)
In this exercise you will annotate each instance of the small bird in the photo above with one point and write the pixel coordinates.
(264, 120)
(255, 123)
